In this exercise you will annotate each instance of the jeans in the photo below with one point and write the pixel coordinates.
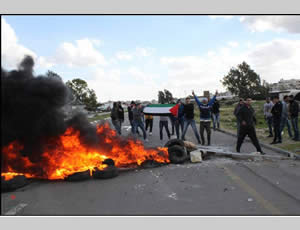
(216, 120)
(117, 126)
(161, 125)
(238, 125)
(285, 121)
(294, 121)
(136, 125)
(205, 126)
(269, 122)
(131, 123)
(191, 122)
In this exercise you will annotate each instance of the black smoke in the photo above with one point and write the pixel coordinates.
(31, 108)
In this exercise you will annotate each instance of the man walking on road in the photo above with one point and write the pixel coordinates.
(294, 112)
(268, 115)
(188, 111)
(276, 112)
(205, 109)
(130, 115)
(246, 117)
(285, 117)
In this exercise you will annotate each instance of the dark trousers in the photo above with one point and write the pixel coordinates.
(294, 121)
(173, 125)
(161, 125)
(250, 131)
(276, 124)
(131, 123)
(270, 121)
(149, 123)
(117, 125)
(177, 124)
(205, 126)
(285, 121)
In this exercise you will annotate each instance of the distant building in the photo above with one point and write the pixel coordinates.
(285, 85)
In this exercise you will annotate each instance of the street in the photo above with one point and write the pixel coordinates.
(217, 186)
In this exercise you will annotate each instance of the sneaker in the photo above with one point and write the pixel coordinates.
(273, 143)
(150, 133)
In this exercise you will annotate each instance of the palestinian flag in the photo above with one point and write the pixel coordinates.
(161, 109)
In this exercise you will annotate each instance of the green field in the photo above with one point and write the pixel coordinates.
(228, 123)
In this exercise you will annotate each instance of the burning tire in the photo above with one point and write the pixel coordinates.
(177, 154)
(109, 172)
(151, 164)
(174, 142)
(13, 184)
(79, 176)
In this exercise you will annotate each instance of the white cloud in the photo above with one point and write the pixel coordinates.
(271, 60)
(139, 75)
(138, 52)
(81, 54)
(233, 44)
(290, 24)
(12, 52)
(109, 85)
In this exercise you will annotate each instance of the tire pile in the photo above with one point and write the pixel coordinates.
(177, 151)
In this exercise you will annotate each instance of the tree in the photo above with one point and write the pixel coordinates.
(168, 96)
(243, 81)
(52, 74)
(83, 94)
(161, 97)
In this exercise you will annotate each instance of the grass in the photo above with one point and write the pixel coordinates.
(99, 117)
(228, 123)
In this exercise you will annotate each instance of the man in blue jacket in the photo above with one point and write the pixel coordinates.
(205, 116)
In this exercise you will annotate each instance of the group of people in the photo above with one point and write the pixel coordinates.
(180, 121)
(279, 114)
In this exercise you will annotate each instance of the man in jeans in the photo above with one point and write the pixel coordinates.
(205, 108)
(188, 111)
(268, 115)
(294, 112)
(285, 116)
(138, 120)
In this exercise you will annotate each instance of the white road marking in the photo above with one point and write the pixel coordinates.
(13, 211)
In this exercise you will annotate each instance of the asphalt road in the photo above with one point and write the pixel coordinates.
(219, 186)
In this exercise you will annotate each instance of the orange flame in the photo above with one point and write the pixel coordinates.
(70, 155)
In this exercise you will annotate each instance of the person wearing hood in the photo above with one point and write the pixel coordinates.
(205, 116)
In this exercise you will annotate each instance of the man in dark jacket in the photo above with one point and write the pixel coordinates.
(188, 111)
(205, 115)
(121, 114)
(215, 110)
(115, 117)
(294, 112)
(246, 117)
(236, 110)
(276, 113)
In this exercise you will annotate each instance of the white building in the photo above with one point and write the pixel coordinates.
(285, 85)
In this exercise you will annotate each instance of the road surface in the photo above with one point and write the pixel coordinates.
(218, 186)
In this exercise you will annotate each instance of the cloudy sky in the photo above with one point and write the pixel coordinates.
(132, 57)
